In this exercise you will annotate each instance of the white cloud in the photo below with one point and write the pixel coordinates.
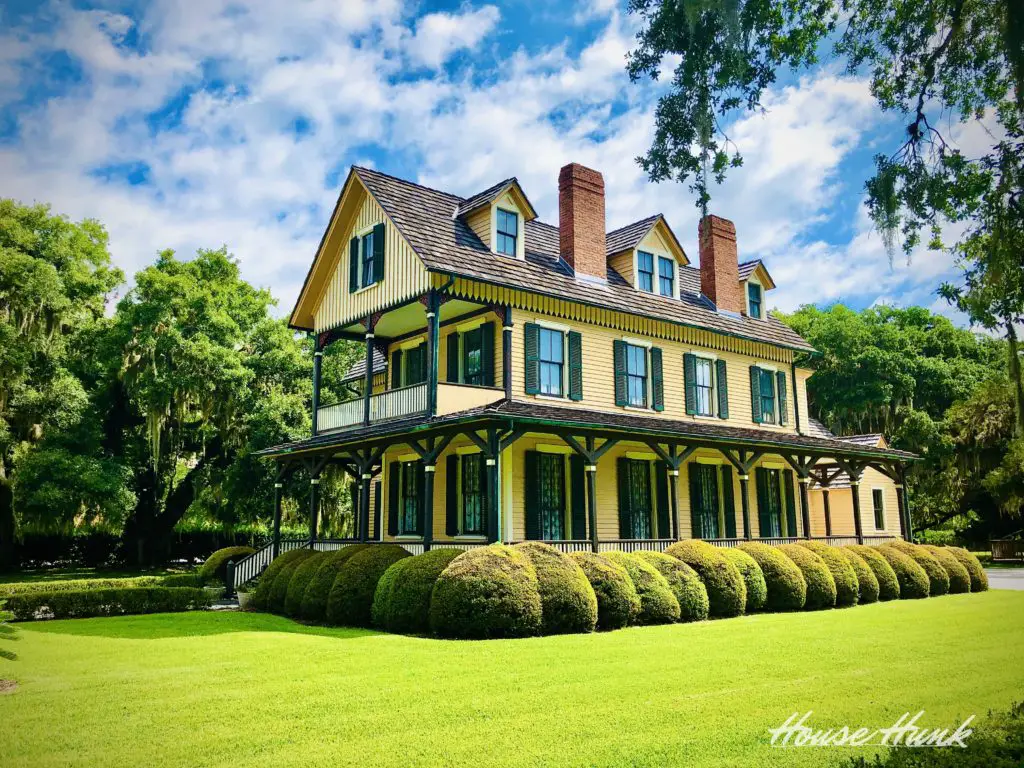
(439, 35)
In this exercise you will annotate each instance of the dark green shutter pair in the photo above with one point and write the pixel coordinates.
(395, 495)
(578, 512)
(690, 384)
(461, 345)
(755, 394)
(662, 510)
(355, 268)
(531, 350)
(775, 488)
(655, 371)
(453, 492)
(415, 363)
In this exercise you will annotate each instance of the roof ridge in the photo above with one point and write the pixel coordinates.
(634, 223)
(410, 183)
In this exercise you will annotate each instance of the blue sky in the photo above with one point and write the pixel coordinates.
(185, 125)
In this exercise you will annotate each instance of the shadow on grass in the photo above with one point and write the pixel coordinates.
(193, 624)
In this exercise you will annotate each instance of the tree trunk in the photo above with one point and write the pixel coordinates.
(7, 527)
(1015, 378)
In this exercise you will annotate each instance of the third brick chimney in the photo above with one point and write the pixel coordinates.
(719, 264)
(581, 221)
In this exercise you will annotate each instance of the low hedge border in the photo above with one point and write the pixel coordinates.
(784, 583)
(821, 587)
(79, 585)
(938, 581)
(888, 582)
(727, 594)
(845, 578)
(618, 604)
(314, 601)
(279, 588)
(753, 577)
(105, 602)
(867, 583)
(401, 603)
(568, 603)
(301, 578)
(684, 582)
(657, 603)
(261, 595)
(914, 583)
(351, 600)
(959, 578)
(979, 579)
(182, 580)
(215, 567)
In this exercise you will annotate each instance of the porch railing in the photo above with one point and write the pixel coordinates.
(567, 546)
(635, 545)
(384, 406)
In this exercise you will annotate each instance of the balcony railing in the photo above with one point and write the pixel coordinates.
(384, 406)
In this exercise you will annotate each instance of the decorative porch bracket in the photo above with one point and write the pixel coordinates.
(803, 465)
(315, 466)
(428, 451)
(744, 460)
(364, 462)
(824, 478)
(286, 468)
(591, 455)
(675, 460)
(854, 470)
(490, 448)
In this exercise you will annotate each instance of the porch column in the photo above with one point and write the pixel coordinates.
(317, 361)
(506, 352)
(745, 504)
(428, 506)
(364, 503)
(314, 506)
(805, 505)
(493, 487)
(275, 549)
(828, 510)
(858, 525)
(904, 506)
(591, 473)
(433, 331)
(674, 498)
(368, 379)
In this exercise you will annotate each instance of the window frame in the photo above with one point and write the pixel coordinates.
(759, 302)
(712, 387)
(671, 277)
(641, 273)
(499, 233)
(408, 469)
(465, 352)
(543, 364)
(880, 508)
(480, 494)
(645, 377)
(768, 416)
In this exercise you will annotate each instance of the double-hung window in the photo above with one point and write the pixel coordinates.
(704, 386)
(507, 232)
(767, 395)
(472, 356)
(636, 375)
(645, 271)
(366, 253)
(878, 503)
(408, 475)
(754, 300)
(552, 361)
(472, 494)
(666, 276)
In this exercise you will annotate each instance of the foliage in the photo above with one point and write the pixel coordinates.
(351, 599)
(618, 604)
(727, 593)
(785, 587)
(79, 585)
(867, 582)
(401, 603)
(913, 580)
(979, 579)
(261, 597)
(489, 592)
(568, 602)
(106, 602)
(938, 581)
(657, 603)
(821, 587)
(215, 567)
(959, 579)
(847, 586)
(753, 577)
(299, 582)
(192, 579)
(7, 632)
(314, 601)
(278, 592)
(684, 582)
(888, 581)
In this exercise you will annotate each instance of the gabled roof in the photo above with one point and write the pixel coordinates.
(747, 268)
(629, 237)
(447, 245)
(357, 370)
(877, 440)
(491, 194)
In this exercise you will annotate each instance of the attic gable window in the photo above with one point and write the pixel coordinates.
(645, 271)
(666, 276)
(366, 259)
(754, 300)
(507, 231)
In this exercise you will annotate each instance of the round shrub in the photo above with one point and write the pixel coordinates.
(938, 581)
(279, 589)
(618, 604)
(215, 567)
(300, 580)
(785, 587)
(979, 579)
(753, 578)
(568, 602)
(821, 587)
(488, 592)
(684, 582)
(847, 588)
(657, 603)
(314, 601)
(959, 578)
(727, 594)
(911, 576)
(261, 596)
(401, 602)
(888, 583)
(867, 583)
(351, 598)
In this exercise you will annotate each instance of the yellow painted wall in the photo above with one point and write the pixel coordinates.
(623, 264)
(841, 508)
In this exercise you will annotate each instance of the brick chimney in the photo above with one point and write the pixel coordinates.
(581, 221)
(719, 264)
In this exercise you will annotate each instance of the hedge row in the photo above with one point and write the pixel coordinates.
(105, 602)
(215, 567)
(79, 585)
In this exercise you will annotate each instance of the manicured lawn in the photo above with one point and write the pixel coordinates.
(61, 574)
(244, 689)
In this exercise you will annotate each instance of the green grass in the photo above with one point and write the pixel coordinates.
(64, 574)
(231, 689)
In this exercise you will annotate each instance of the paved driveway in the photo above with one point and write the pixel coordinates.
(1006, 578)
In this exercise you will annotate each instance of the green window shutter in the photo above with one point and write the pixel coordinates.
(453, 356)
(531, 349)
(722, 384)
(396, 369)
(621, 386)
(755, 394)
(451, 482)
(690, 382)
(378, 252)
(780, 389)
(531, 467)
(374, 533)
(664, 512)
(487, 353)
(421, 363)
(787, 482)
(575, 366)
(353, 265)
(657, 380)
(625, 499)
(421, 495)
(764, 512)
(728, 501)
(696, 521)
(579, 499)
(394, 480)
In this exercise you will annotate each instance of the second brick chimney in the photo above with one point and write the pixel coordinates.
(719, 264)
(581, 232)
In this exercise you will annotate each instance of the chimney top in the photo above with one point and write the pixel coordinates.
(581, 221)
(719, 264)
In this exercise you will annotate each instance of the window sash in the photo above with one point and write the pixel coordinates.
(704, 386)
(507, 232)
(551, 495)
(366, 256)
(640, 498)
(666, 276)
(636, 375)
(768, 396)
(472, 494)
(552, 362)
(645, 270)
(878, 503)
(754, 299)
(409, 500)
(472, 361)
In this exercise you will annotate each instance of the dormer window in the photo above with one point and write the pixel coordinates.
(507, 231)
(754, 300)
(666, 276)
(645, 271)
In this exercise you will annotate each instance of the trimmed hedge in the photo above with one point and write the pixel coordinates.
(913, 580)
(888, 583)
(488, 592)
(80, 585)
(657, 603)
(689, 590)
(261, 596)
(300, 580)
(105, 602)
(727, 594)
(401, 602)
(785, 585)
(215, 567)
(753, 577)
(938, 581)
(959, 578)
(979, 579)
(568, 602)
(618, 604)
(314, 601)
(279, 589)
(351, 599)
(867, 583)
(845, 578)
(821, 587)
